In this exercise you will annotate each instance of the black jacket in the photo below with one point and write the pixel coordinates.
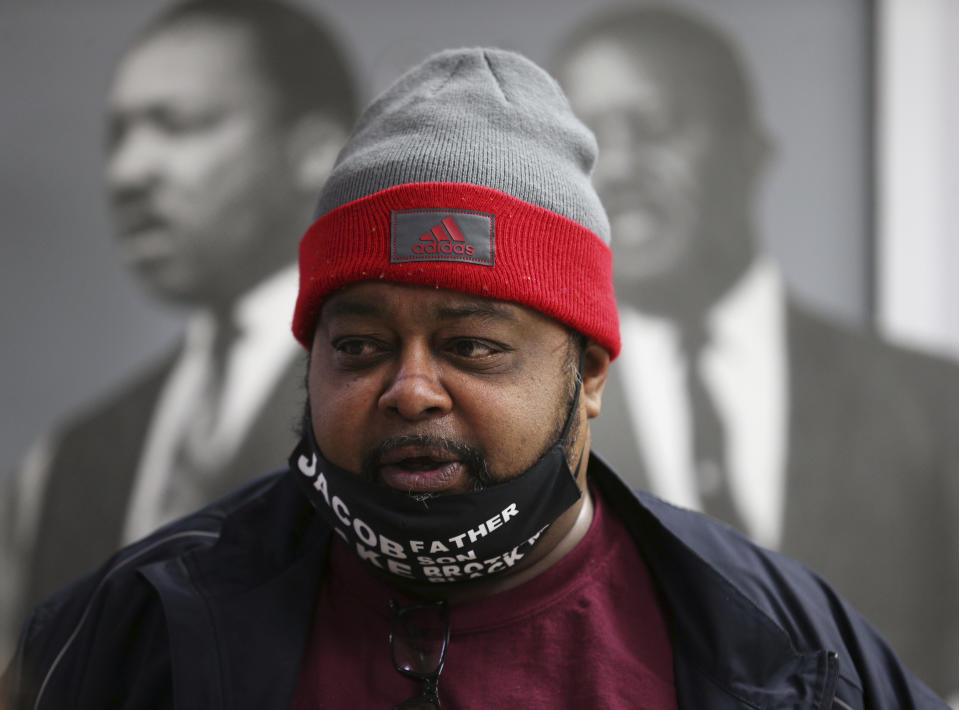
(214, 612)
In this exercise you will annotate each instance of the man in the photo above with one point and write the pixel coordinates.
(224, 120)
(824, 443)
(443, 533)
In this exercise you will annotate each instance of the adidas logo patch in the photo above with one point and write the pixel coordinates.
(442, 235)
(444, 238)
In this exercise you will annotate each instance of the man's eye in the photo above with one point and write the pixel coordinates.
(469, 348)
(357, 347)
(184, 124)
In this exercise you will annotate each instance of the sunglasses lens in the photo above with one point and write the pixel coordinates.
(419, 639)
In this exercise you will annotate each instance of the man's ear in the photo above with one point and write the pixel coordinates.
(313, 144)
(595, 371)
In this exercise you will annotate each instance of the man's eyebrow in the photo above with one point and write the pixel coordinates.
(477, 310)
(347, 307)
(357, 307)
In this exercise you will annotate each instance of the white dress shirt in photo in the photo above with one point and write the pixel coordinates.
(257, 358)
(745, 370)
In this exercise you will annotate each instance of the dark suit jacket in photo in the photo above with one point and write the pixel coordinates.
(91, 475)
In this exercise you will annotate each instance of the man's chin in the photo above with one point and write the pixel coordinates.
(645, 244)
(164, 284)
(655, 283)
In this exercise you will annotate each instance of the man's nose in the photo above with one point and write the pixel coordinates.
(134, 160)
(415, 391)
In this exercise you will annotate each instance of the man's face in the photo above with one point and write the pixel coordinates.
(196, 165)
(405, 382)
(665, 168)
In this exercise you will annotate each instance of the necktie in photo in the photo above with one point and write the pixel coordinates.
(199, 456)
(708, 434)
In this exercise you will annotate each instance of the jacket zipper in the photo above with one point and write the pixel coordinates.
(829, 699)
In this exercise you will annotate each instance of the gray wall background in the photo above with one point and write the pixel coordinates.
(73, 321)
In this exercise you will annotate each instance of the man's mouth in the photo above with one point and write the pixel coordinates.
(424, 464)
(144, 236)
(422, 471)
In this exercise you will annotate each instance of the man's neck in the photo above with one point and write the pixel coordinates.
(244, 305)
(694, 285)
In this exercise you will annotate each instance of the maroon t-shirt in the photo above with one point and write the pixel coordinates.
(588, 632)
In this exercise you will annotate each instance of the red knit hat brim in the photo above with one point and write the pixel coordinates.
(541, 259)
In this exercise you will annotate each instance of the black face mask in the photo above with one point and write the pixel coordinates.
(446, 539)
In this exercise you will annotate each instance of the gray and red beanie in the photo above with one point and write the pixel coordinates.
(470, 173)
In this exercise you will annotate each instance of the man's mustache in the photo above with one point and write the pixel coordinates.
(473, 459)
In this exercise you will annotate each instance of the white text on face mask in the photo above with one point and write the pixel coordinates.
(458, 562)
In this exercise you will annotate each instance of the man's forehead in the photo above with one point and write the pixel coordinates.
(189, 61)
(651, 77)
(379, 299)
(605, 71)
(661, 59)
